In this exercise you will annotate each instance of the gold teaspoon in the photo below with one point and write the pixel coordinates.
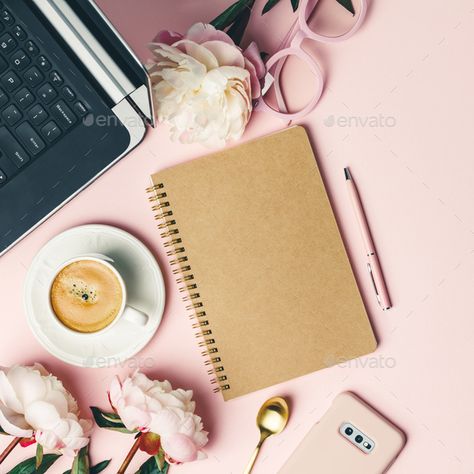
(271, 419)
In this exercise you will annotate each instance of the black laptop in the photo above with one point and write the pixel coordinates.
(74, 99)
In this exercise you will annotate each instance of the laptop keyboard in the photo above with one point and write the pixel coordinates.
(37, 106)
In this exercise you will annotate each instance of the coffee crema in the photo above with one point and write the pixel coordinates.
(86, 296)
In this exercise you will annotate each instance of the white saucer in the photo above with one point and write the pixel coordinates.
(145, 292)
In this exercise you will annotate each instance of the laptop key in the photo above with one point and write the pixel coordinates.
(47, 93)
(7, 43)
(20, 60)
(37, 115)
(11, 115)
(6, 17)
(12, 148)
(43, 63)
(51, 131)
(63, 114)
(80, 108)
(24, 98)
(33, 76)
(3, 177)
(11, 81)
(55, 78)
(19, 33)
(68, 94)
(32, 141)
(31, 48)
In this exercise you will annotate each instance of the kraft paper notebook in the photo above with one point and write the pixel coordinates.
(256, 251)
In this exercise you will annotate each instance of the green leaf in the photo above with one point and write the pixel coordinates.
(39, 455)
(228, 16)
(95, 469)
(110, 421)
(29, 466)
(100, 467)
(295, 4)
(237, 30)
(269, 5)
(81, 462)
(347, 4)
(151, 467)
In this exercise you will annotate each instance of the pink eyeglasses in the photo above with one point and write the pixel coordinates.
(295, 37)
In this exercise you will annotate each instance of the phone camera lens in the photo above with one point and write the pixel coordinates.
(348, 431)
(358, 439)
(367, 446)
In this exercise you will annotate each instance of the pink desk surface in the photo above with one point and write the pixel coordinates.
(410, 64)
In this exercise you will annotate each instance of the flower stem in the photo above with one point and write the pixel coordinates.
(130, 455)
(9, 449)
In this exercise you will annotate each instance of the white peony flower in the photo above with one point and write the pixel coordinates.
(153, 406)
(204, 84)
(35, 403)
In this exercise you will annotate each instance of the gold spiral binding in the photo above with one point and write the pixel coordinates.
(181, 268)
(168, 233)
(200, 324)
(190, 307)
(206, 342)
(172, 242)
(161, 205)
(191, 296)
(165, 224)
(184, 278)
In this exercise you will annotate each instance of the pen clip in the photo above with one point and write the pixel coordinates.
(369, 268)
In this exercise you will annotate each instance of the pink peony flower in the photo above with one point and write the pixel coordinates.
(34, 403)
(153, 406)
(204, 84)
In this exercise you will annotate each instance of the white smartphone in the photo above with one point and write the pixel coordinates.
(351, 438)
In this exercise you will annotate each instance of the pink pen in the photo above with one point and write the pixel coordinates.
(373, 264)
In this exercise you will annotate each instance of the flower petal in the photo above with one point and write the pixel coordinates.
(8, 395)
(166, 422)
(198, 52)
(226, 54)
(28, 384)
(115, 391)
(167, 37)
(134, 418)
(13, 423)
(252, 53)
(42, 415)
(200, 33)
(179, 447)
(254, 81)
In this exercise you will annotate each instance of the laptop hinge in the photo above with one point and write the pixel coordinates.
(95, 57)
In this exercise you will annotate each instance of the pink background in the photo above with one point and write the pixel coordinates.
(412, 64)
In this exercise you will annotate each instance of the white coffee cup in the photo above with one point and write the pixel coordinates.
(126, 312)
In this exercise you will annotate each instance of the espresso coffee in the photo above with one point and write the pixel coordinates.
(86, 296)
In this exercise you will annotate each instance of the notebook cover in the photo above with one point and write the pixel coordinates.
(256, 249)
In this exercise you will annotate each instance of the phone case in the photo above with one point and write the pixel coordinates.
(326, 451)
